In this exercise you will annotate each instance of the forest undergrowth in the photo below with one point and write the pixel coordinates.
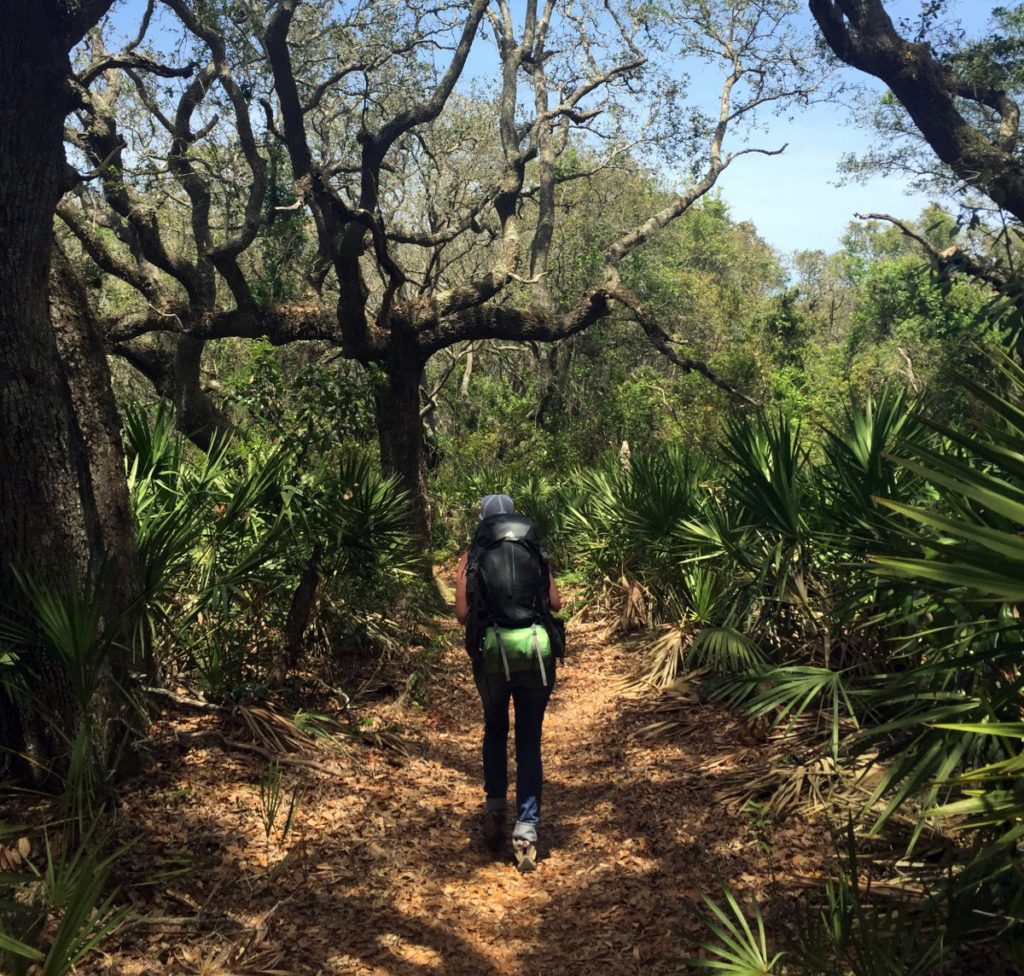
(752, 764)
(382, 869)
(257, 848)
(271, 355)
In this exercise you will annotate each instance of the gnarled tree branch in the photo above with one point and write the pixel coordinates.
(862, 34)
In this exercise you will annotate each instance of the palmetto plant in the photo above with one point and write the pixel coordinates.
(737, 950)
(808, 600)
(226, 535)
(956, 708)
(212, 527)
(930, 640)
(861, 594)
(65, 634)
(973, 547)
(719, 642)
(768, 459)
(626, 522)
(71, 885)
(859, 469)
(762, 569)
(707, 634)
(779, 557)
(364, 514)
(786, 693)
(272, 804)
(850, 932)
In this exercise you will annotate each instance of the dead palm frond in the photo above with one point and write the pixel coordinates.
(783, 784)
(273, 731)
(663, 658)
(675, 713)
(634, 613)
(389, 739)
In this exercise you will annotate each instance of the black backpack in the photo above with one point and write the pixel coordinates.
(507, 581)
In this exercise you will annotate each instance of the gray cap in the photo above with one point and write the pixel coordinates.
(496, 505)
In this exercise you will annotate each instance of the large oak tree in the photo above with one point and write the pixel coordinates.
(425, 233)
(64, 518)
(970, 121)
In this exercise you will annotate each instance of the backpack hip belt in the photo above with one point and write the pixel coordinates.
(518, 649)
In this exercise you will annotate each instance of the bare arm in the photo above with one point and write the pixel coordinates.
(554, 597)
(461, 605)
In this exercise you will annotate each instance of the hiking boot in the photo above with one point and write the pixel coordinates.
(494, 829)
(525, 853)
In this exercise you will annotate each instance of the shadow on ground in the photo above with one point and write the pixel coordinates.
(385, 871)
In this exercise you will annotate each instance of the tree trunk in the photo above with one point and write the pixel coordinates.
(195, 414)
(83, 355)
(47, 519)
(299, 613)
(467, 374)
(50, 524)
(172, 364)
(402, 448)
(556, 377)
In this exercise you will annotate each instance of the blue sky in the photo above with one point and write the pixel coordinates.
(792, 199)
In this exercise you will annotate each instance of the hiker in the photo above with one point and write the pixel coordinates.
(504, 593)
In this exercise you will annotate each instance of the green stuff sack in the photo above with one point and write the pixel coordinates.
(508, 650)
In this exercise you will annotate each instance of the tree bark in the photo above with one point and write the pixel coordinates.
(195, 414)
(83, 355)
(118, 567)
(556, 376)
(300, 611)
(46, 511)
(172, 364)
(402, 445)
(51, 526)
(862, 34)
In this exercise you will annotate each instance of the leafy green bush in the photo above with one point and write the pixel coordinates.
(227, 536)
(52, 916)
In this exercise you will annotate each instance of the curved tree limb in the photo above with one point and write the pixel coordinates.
(951, 259)
(279, 326)
(861, 33)
(94, 245)
(663, 342)
(138, 62)
(224, 256)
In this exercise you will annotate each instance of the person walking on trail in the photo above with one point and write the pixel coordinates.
(504, 594)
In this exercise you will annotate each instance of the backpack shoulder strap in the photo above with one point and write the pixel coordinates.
(474, 632)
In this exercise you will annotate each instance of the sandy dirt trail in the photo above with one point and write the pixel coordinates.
(386, 873)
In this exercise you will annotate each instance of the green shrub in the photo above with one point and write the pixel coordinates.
(226, 537)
